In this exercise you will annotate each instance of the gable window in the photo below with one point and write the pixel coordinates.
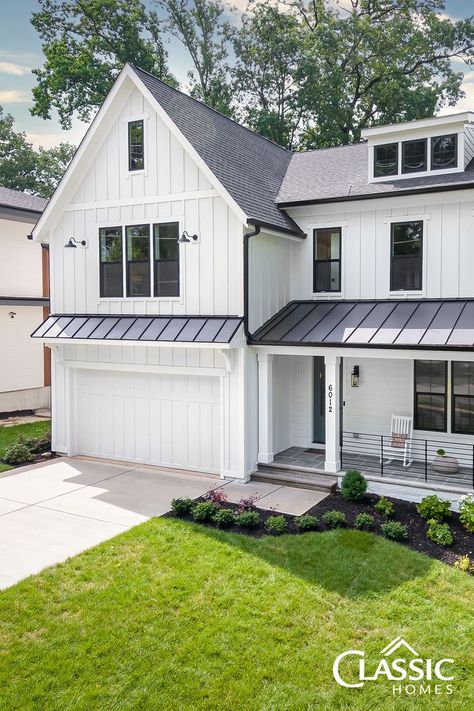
(463, 398)
(327, 259)
(111, 261)
(386, 160)
(136, 153)
(406, 243)
(138, 260)
(444, 152)
(166, 259)
(414, 156)
(430, 395)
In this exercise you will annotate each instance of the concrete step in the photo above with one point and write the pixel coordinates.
(303, 477)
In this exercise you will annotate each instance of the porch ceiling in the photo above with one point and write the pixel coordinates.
(409, 323)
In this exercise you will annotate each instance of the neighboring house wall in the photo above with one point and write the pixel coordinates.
(20, 262)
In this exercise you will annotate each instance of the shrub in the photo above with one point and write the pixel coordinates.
(466, 511)
(224, 518)
(334, 519)
(364, 521)
(353, 486)
(182, 507)
(204, 511)
(441, 452)
(18, 453)
(276, 525)
(247, 504)
(217, 496)
(40, 444)
(395, 530)
(439, 532)
(432, 507)
(306, 522)
(248, 519)
(464, 563)
(384, 507)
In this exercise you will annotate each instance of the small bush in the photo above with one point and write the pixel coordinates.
(466, 511)
(432, 507)
(38, 445)
(439, 533)
(364, 521)
(247, 504)
(204, 511)
(248, 519)
(395, 530)
(224, 518)
(384, 507)
(353, 486)
(18, 453)
(334, 519)
(464, 563)
(217, 496)
(182, 507)
(306, 522)
(276, 525)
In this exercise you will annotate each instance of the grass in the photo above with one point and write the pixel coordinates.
(8, 435)
(170, 615)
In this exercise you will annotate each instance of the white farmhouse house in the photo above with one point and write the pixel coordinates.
(220, 304)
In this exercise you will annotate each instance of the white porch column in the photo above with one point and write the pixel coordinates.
(333, 415)
(265, 408)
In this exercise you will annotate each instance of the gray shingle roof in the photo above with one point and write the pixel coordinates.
(21, 201)
(342, 172)
(250, 167)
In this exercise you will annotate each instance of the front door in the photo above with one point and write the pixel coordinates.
(319, 415)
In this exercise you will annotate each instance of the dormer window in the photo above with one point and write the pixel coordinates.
(444, 152)
(386, 160)
(414, 156)
(136, 152)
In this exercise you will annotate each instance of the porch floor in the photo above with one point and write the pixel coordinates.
(303, 457)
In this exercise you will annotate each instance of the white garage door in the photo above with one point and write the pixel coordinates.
(170, 420)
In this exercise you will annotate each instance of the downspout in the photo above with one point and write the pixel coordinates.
(247, 236)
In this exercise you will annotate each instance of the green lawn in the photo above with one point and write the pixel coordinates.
(172, 616)
(8, 435)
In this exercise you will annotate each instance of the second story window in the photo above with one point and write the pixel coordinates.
(166, 259)
(414, 156)
(111, 262)
(386, 160)
(406, 268)
(138, 260)
(327, 259)
(444, 152)
(136, 150)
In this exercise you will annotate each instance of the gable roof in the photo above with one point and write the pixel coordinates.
(21, 201)
(250, 167)
(331, 174)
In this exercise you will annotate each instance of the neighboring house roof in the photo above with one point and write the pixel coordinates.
(250, 167)
(341, 173)
(21, 201)
(175, 329)
(408, 323)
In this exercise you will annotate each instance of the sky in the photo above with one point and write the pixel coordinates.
(20, 51)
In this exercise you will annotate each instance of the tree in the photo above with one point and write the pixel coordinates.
(200, 26)
(86, 43)
(23, 168)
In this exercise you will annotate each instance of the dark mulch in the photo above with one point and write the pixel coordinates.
(405, 512)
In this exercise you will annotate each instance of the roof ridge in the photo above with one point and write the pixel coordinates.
(330, 148)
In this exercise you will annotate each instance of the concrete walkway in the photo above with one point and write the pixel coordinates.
(54, 510)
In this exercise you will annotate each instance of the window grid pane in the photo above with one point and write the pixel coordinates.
(138, 260)
(444, 152)
(406, 256)
(414, 156)
(136, 158)
(166, 259)
(386, 160)
(327, 259)
(430, 395)
(111, 266)
(463, 398)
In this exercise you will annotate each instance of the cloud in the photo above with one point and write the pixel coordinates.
(46, 140)
(14, 96)
(17, 70)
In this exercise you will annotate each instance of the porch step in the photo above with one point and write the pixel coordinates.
(300, 477)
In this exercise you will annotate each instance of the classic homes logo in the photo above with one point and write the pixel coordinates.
(399, 663)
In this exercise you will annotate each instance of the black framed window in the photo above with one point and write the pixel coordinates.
(430, 395)
(406, 245)
(444, 152)
(111, 261)
(138, 260)
(414, 156)
(463, 398)
(166, 259)
(386, 160)
(136, 151)
(327, 259)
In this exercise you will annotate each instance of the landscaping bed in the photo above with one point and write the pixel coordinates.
(23, 444)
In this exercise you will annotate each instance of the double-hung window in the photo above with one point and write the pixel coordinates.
(111, 261)
(136, 147)
(462, 418)
(430, 395)
(166, 259)
(406, 245)
(327, 259)
(138, 260)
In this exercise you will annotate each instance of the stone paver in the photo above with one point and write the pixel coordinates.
(235, 491)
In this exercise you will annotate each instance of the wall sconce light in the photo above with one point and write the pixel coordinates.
(12, 314)
(74, 242)
(187, 238)
(355, 377)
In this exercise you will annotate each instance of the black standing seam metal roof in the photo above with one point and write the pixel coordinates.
(407, 323)
(129, 328)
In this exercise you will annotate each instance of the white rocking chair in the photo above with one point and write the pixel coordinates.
(398, 446)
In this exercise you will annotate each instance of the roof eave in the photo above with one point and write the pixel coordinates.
(296, 232)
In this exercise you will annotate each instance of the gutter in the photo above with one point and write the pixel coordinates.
(246, 239)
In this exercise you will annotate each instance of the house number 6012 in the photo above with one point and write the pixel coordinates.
(330, 395)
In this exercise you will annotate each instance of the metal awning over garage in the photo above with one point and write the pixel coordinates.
(407, 323)
(148, 329)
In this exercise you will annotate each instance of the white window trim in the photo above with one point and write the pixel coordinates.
(136, 117)
(309, 228)
(389, 221)
(131, 223)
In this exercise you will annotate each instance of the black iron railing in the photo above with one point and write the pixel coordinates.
(411, 458)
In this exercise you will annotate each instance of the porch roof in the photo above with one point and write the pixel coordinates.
(409, 323)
